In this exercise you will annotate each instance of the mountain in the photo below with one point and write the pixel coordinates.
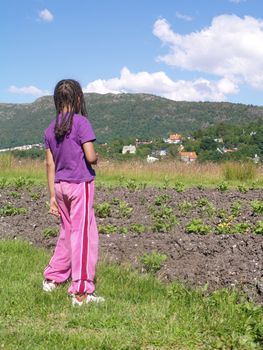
(122, 116)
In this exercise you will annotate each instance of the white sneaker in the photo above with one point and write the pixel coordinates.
(93, 298)
(49, 286)
(80, 299)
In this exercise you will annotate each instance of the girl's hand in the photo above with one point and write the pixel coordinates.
(54, 207)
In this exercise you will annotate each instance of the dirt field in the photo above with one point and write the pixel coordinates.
(221, 250)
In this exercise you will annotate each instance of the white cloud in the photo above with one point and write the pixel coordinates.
(160, 84)
(28, 90)
(45, 16)
(230, 48)
(237, 1)
(183, 17)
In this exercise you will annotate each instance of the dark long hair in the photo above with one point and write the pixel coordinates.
(67, 94)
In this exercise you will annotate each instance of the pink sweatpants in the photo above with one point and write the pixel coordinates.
(76, 252)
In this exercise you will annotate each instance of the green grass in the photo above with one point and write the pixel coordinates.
(139, 312)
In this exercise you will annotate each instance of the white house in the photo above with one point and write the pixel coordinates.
(129, 149)
(151, 159)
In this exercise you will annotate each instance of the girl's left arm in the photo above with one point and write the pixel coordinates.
(50, 166)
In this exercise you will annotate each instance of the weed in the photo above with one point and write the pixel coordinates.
(108, 229)
(200, 187)
(197, 226)
(257, 206)
(124, 210)
(51, 232)
(35, 196)
(103, 210)
(222, 186)
(259, 227)
(153, 262)
(137, 228)
(9, 210)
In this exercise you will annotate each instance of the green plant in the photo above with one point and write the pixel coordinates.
(165, 183)
(257, 206)
(164, 219)
(124, 210)
(178, 186)
(115, 201)
(225, 226)
(9, 210)
(3, 183)
(103, 210)
(242, 227)
(153, 262)
(124, 230)
(35, 196)
(131, 185)
(197, 226)
(184, 207)
(22, 182)
(222, 186)
(200, 187)
(202, 202)
(236, 208)
(137, 228)
(221, 213)
(161, 200)
(242, 188)
(15, 194)
(259, 227)
(108, 229)
(51, 232)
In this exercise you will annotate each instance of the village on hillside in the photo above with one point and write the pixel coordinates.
(175, 146)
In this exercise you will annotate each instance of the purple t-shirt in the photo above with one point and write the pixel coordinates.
(70, 162)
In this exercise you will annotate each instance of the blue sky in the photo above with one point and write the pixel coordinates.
(205, 50)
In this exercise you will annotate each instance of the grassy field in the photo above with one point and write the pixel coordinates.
(157, 174)
(139, 312)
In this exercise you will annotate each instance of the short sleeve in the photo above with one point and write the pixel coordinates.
(85, 131)
(46, 141)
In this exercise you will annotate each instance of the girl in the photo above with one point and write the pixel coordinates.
(69, 155)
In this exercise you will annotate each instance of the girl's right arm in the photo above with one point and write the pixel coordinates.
(50, 165)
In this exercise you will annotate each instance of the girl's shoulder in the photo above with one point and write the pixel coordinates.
(81, 120)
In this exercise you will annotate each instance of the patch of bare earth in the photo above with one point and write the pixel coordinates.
(233, 260)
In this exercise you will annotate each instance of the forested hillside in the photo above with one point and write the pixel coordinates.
(123, 116)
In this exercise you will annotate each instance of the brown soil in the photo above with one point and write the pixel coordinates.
(233, 260)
